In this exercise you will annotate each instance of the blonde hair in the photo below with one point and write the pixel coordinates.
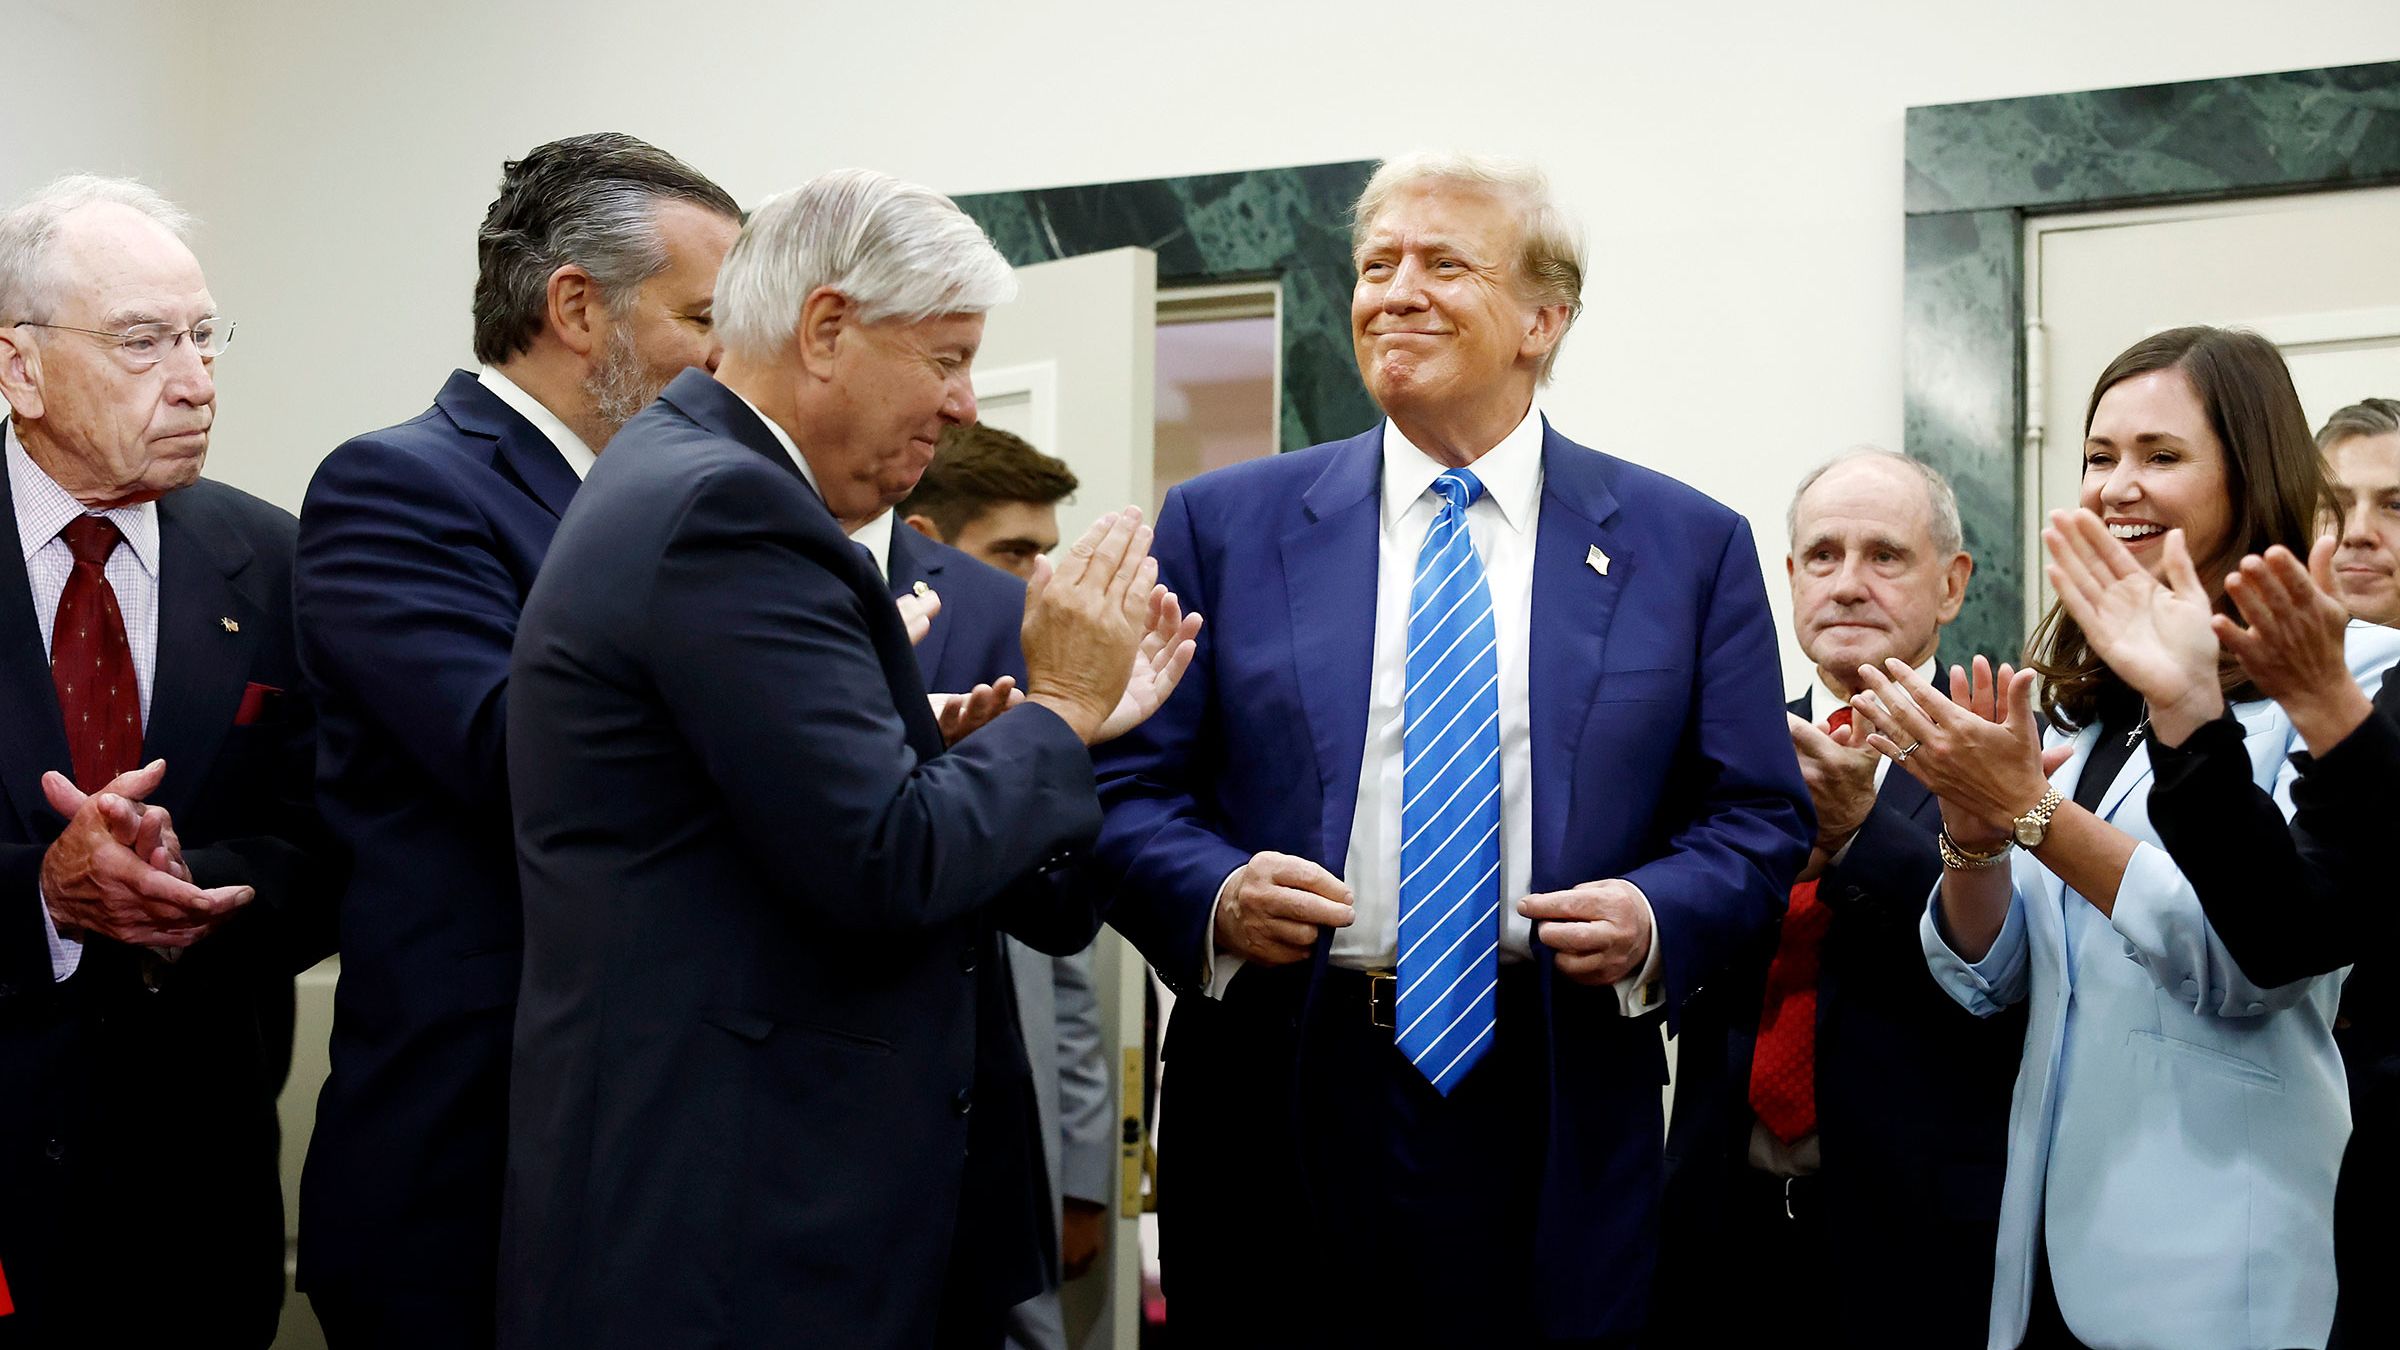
(1550, 260)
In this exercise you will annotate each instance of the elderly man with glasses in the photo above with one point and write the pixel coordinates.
(159, 860)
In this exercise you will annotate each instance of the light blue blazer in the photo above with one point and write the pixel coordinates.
(2176, 1129)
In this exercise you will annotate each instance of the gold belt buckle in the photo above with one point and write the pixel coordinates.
(1383, 999)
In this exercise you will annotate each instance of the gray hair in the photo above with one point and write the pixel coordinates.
(1948, 536)
(591, 201)
(2367, 417)
(1550, 264)
(29, 283)
(896, 250)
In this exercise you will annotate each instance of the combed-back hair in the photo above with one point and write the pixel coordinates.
(896, 250)
(587, 201)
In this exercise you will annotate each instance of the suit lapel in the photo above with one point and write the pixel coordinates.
(535, 463)
(2135, 772)
(910, 563)
(202, 659)
(1573, 607)
(33, 737)
(1329, 567)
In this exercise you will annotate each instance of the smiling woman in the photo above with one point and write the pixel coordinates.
(2195, 429)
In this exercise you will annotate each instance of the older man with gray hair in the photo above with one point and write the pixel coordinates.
(767, 1089)
(1840, 1124)
(161, 870)
(1480, 767)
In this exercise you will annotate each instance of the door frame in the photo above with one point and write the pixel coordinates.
(1288, 226)
(1976, 173)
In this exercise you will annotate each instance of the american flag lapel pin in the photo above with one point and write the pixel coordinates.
(230, 625)
(1596, 560)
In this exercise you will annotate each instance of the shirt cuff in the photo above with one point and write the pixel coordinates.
(1218, 971)
(1643, 991)
(66, 953)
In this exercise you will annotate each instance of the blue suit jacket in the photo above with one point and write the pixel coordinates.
(418, 544)
(1659, 755)
(2176, 1128)
(759, 900)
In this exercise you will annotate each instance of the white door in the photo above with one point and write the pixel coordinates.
(1069, 367)
(2316, 274)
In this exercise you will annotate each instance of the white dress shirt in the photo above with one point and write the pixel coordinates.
(1502, 524)
(43, 509)
(579, 456)
(876, 538)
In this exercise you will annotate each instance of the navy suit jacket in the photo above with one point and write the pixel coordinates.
(759, 899)
(97, 1069)
(1912, 1108)
(418, 544)
(1659, 756)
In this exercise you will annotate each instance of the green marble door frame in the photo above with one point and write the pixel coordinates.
(1290, 225)
(1977, 170)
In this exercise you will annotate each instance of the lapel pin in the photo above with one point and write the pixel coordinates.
(923, 590)
(1596, 560)
(230, 625)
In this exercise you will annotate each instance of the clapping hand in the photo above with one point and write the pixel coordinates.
(1158, 664)
(959, 714)
(2157, 638)
(117, 868)
(917, 609)
(1085, 621)
(2292, 649)
(1979, 750)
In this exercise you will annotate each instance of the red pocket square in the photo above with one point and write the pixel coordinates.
(256, 698)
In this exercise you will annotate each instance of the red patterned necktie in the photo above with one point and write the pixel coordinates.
(91, 664)
(1783, 1068)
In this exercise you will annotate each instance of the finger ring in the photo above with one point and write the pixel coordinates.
(1912, 749)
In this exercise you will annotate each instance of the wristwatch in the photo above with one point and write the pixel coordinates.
(2034, 826)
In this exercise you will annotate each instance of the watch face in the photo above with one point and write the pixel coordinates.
(2029, 833)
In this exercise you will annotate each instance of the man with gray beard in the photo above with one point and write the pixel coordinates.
(418, 543)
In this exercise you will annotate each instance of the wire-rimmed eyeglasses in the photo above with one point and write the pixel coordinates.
(146, 344)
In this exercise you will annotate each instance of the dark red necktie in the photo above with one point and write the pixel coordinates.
(91, 664)
(1783, 1069)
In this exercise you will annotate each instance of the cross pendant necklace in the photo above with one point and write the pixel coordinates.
(2139, 727)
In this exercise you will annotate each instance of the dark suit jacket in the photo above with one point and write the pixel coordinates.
(1659, 756)
(139, 1098)
(418, 544)
(1912, 1109)
(758, 893)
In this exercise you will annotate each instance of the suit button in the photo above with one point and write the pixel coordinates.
(966, 961)
(962, 1101)
(54, 1150)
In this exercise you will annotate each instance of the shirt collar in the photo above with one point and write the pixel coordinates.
(784, 439)
(44, 508)
(1822, 700)
(876, 538)
(579, 456)
(1511, 472)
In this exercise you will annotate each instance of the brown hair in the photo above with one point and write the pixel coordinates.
(2367, 417)
(976, 466)
(2274, 478)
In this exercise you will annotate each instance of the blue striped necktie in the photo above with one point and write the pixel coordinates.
(1449, 802)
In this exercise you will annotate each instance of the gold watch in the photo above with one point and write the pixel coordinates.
(2034, 826)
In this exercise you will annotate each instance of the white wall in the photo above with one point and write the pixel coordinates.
(1738, 165)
